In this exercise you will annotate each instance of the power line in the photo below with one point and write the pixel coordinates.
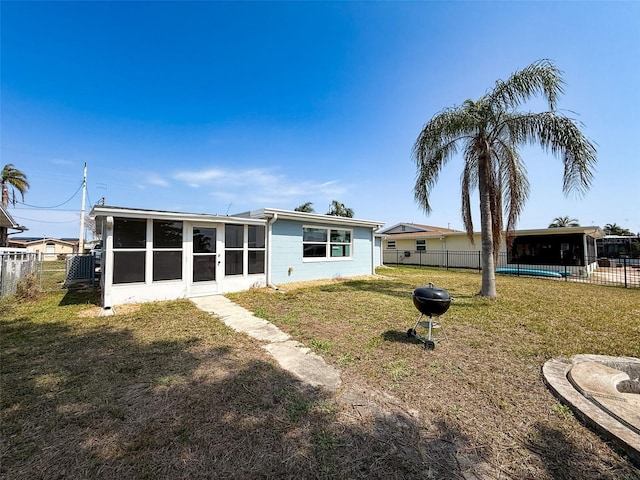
(43, 221)
(57, 210)
(55, 206)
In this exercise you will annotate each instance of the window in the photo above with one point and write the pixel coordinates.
(256, 245)
(129, 233)
(129, 243)
(234, 242)
(340, 243)
(391, 244)
(326, 243)
(235, 248)
(167, 250)
(314, 242)
(421, 245)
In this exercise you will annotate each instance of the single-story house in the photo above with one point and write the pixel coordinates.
(619, 246)
(573, 248)
(414, 236)
(158, 255)
(48, 249)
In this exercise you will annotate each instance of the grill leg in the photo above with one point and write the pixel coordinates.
(428, 341)
(412, 332)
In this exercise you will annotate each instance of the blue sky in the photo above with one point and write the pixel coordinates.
(213, 107)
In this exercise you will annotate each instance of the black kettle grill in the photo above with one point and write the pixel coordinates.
(432, 302)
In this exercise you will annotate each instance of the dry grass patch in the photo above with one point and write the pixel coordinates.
(167, 391)
(482, 390)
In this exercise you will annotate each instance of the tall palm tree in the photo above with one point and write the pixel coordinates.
(14, 178)
(305, 207)
(560, 222)
(488, 132)
(339, 210)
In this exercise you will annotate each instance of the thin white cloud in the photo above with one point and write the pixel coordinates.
(158, 181)
(200, 178)
(259, 186)
(326, 184)
(62, 161)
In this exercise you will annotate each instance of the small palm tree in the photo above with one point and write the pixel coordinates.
(305, 207)
(339, 210)
(560, 222)
(14, 178)
(488, 132)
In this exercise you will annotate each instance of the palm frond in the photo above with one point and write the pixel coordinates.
(539, 78)
(562, 137)
(514, 180)
(11, 176)
(435, 145)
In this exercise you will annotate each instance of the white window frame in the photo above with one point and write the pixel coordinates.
(137, 249)
(262, 249)
(328, 243)
(421, 245)
(155, 249)
(246, 249)
(391, 244)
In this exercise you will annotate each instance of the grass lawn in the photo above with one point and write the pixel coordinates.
(163, 390)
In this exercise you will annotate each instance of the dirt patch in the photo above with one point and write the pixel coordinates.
(94, 312)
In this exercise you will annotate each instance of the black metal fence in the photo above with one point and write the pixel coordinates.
(604, 271)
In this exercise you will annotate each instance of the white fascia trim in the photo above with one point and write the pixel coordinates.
(100, 211)
(312, 217)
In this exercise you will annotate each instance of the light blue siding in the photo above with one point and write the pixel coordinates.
(287, 263)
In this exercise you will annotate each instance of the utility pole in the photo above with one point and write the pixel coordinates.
(84, 195)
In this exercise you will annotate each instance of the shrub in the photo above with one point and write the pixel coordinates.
(27, 288)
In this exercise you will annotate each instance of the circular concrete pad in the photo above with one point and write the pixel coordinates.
(599, 389)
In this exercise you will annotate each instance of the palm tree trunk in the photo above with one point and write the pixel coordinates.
(5, 195)
(488, 288)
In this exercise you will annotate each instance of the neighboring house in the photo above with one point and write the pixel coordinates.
(619, 246)
(573, 247)
(48, 249)
(7, 222)
(157, 255)
(413, 236)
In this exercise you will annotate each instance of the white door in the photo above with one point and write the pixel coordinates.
(50, 251)
(205, 260)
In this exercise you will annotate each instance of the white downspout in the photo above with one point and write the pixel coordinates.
(270, 223)
(585, 254)
(107, 267)
(373, 250)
